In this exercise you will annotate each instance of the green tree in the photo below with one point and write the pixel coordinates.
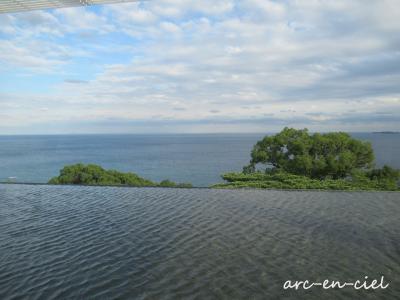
(330, 155)
(386, 173)
(95, 175)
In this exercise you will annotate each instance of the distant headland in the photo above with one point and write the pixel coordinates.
(386, 132)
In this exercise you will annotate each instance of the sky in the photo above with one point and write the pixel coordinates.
(190, 66)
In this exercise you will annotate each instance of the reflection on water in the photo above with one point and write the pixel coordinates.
(130, 243)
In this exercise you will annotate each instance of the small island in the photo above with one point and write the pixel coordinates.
(296, 159)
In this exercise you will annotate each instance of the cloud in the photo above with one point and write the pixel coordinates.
(253, 63)
(79, 19)
(41, 57)
(75, 81)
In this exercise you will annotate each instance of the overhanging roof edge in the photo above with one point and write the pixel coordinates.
(14, 6)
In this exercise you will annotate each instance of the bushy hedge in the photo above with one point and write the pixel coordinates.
(95, 175)
(281, 180)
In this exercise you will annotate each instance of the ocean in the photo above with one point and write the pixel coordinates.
(196, 158)
(76, 242)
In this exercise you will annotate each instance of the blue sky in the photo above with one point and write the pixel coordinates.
(201, 66)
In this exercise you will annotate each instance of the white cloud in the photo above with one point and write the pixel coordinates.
(79, 19)
(41, 58)
(321, 64)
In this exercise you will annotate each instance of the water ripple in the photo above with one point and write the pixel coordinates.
(130, 243)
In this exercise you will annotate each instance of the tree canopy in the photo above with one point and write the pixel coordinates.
(95, 175)
(296, 159)
(330, 155)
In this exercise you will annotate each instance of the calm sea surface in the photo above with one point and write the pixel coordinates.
(65, 242)
(199, 159)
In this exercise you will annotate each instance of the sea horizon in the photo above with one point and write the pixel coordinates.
(199, 159)
(196, 133)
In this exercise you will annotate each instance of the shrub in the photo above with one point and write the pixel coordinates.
(283, 180)
(95, 175)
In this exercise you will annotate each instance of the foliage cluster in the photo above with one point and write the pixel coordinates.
(95, 175)
(295, 159)
(330, 155)
(282, 180)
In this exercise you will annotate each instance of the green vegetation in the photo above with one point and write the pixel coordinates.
(294, 159)
(282, 180)
(291, 159)
(334, 155)
(168, 183)
(95, 175)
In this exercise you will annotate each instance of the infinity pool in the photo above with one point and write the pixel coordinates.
(63, 242)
